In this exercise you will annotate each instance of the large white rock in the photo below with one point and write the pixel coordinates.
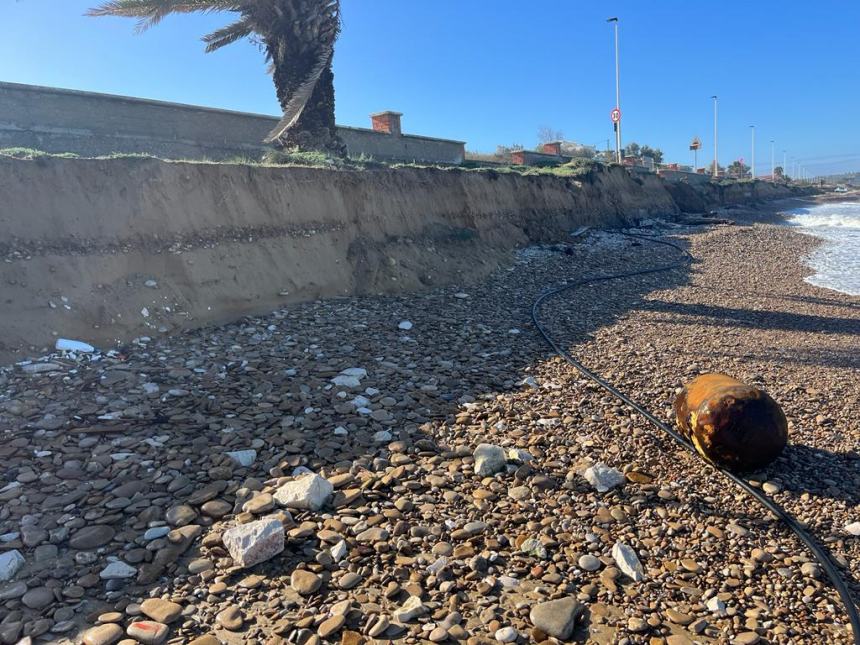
(117, 571)
(627, 561)
(309, 492)
(350, 377)
(10, 563)
(405, 325)
(411, 609)
(489, 459)
(853, 528)
(603, 478)
(254, 542)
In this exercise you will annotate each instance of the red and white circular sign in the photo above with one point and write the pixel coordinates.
(615, 115)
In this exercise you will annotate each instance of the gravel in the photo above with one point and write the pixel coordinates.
(401, 539)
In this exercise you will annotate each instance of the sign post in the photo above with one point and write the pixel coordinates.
(695, 144)
(615, 116)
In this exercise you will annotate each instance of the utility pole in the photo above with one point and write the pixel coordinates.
(752, 163)
(716, 163)
(617, 94)
(784, 167)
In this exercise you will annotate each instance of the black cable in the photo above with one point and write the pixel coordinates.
(782, 515)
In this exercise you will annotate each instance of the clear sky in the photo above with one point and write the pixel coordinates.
(493, 71)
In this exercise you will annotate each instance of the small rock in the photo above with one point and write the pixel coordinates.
(117, 571)
(556, 618)
(507, 635)
(410, 610)
(102, 635)
(161, 611)
(489, 459)
(853, 528)
(309, 492)
(148, 632)
(254, 542)
(603, 478)
(243, 458)
(230, 619)
(627, 562)
(305, 582)
(10, 563)
(589, 562)
(405, 325)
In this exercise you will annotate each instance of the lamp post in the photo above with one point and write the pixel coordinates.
(617, 94)
(716, 164)
(752, 162)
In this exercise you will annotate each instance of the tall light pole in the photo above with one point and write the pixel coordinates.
(752, 162)
(784, 167)
(772, 166)
(617, 94)
(716, 164)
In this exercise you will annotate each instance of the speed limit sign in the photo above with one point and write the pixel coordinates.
(615, 115)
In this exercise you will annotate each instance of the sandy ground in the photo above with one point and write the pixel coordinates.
(138, 440)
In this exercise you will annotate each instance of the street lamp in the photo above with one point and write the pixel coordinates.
(617, 94)
(716, 164)
(752, 163)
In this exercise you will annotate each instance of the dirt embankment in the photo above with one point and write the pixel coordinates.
(107, 250)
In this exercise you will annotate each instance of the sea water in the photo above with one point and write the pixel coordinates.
(837, 261)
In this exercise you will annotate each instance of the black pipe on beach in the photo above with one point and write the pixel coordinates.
(781, 514)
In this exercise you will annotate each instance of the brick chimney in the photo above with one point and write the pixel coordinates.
(552, 148)
(387, 122)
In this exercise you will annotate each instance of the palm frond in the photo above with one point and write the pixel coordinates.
(296, 105)
(226, 35)
(151, 12)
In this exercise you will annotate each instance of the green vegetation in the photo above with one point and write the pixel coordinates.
(297, 37)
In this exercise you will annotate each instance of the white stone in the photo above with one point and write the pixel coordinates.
(603, 478)
(310, 492)
(519, 455)
(254, 542)
(489, 459)
(853, 528)
(150, 388)
(117, 571)
(342, 380)
(144, 312)
(382, 436)
(38, 368)
(10, 563)
(155, 533)
(628, 563)
(461, 295)
(507, 635)
(361, 401)
(340, 431)
(243, 458)
(716, 606)
(411, 609)
(357, 372)
(589, 562)
(530, 382)
(152, 284)
(338, 551)
(405, 325)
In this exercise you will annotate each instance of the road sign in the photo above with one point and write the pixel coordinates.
(696, 143)
(615, 115)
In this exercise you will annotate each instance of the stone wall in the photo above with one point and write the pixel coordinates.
(91, 124)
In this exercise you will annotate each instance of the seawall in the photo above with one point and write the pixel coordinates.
(105, 250)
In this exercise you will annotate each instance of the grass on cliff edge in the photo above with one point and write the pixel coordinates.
(277, 158)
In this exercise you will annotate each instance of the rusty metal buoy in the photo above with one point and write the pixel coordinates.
(732, 424)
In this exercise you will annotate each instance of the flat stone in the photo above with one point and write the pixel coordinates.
(254, 542)
(148, 632)
(208, 639)
(349, 580)
(627, 561)
(180, 515)
(117, 571)
(102, 635)
(243, 458)
(506, 635)
(38, 598)
(746, 638)
(13, 590)
(410, 610)
(91, 537)
(161, 611)
(310, 492)
(305, 582)
(10, 563)
(589, 562)
(230, 619)
(331, 626)
(556, 618)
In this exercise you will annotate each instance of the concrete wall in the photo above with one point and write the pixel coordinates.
(90, 124)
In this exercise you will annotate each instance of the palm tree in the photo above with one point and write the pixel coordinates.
(298, 39)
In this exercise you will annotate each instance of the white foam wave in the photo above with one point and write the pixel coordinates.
(836, 262)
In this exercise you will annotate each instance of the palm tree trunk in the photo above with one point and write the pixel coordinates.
(315, 129)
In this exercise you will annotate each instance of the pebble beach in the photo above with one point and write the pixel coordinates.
(422, 469)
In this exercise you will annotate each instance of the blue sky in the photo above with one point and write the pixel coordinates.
(493, 71)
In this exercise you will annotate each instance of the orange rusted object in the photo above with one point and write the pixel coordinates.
(734, 425)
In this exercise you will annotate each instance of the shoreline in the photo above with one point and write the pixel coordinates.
(132, 436)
